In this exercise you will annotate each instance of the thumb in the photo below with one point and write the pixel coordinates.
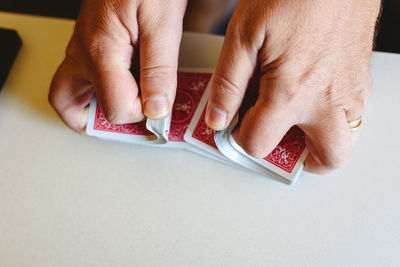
(235, 67)
(159, 49)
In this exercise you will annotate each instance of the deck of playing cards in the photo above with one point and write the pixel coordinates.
(186, 128)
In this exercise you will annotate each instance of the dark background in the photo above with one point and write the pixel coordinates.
(388, 29)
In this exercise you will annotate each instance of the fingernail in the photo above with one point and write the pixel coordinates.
(216, 118)
(156, 107)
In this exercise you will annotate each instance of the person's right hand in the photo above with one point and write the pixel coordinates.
(313, 57)
(99, 58)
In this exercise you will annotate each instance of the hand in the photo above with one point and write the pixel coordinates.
(314, 58)
(107, 36)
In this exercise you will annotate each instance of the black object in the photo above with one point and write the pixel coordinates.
(10, 43)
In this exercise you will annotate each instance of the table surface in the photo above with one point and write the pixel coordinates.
(71, 200)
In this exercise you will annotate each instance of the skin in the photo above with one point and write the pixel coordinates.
(313, 55)
(314, 59)
(100, 55)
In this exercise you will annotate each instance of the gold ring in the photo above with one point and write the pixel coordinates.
(354, 125)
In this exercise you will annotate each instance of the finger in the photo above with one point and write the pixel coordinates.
(69, 95)
(115, 86)
(235, 67)
(159, 48)
(329, 142)
(358, 97)
(354, 113)
(265, 124)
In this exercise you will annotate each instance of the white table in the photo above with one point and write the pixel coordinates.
(71, 200)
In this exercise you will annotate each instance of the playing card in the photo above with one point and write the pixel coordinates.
(191, 85)
(199, 134)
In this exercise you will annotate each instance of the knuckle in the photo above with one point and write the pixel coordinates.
(113, 117)
(225, 88)
(291, 95)
(162, 72)
(331, 95)
(118, 116)
(93, 47)
(89, 37)
(283, 83)
(87, 43)
(288, 94)
(312, 78)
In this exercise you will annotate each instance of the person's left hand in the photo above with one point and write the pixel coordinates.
(108, 36)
